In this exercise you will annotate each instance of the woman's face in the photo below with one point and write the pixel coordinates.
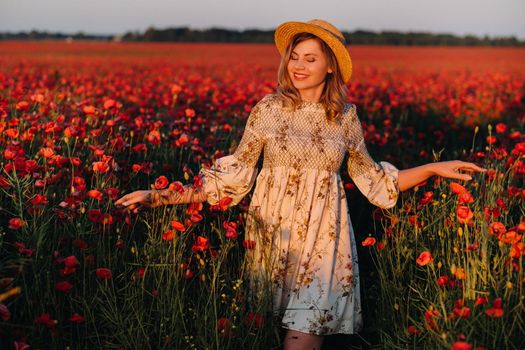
(307, 69)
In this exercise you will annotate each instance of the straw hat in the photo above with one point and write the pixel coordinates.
(326, 32)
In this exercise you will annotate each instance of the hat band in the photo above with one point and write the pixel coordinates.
(342, 40)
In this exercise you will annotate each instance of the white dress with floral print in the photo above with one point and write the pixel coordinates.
(299, 219)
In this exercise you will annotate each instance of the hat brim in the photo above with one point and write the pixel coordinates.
(285, 32)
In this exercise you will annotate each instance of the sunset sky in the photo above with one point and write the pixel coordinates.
(460, 17)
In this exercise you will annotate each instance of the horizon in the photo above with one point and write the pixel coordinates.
(469, 17)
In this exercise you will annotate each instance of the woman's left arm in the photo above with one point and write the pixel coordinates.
(409, 178)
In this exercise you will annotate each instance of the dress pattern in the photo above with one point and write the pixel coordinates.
(305, 248)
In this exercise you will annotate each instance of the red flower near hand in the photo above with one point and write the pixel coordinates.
(161, 182)
(63, 286)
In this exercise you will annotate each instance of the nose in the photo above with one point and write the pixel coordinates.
(299, 64)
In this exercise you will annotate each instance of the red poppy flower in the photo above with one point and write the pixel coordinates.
(63, 286)
(16, 223)
(77, 318)
(177, 225)
(100, 167)
(413, 330)
(461, 345)
(95, 194)
(369, 241)
(161, 182)
(464, 214)
(496, 228)
(255, 319)
(201, 244)
(39, 199)
(5, 314)
(457, 188)
(496, 311)
(45, 319)
(424, 258)
(104, 273)
(70, 261)
(190, 113)
(47, 152)
(224, 327)
(168, 235)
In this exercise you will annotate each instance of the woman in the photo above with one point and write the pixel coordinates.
(305, 244)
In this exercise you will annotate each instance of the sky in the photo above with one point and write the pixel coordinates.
(478, 17)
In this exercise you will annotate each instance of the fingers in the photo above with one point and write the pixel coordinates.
(471, 166)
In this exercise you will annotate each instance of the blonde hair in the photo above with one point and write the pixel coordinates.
(334, 95)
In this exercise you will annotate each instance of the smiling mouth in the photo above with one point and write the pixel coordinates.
(300, 76)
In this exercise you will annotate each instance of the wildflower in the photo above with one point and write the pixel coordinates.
(179, 187)
(109, 103)
(45, 319)
(89, 109)
(168, 235)
(100, 167)
(481, 301)
(222, 205)
(442, 281)
(104, 273)
(161, 182)
(510, 237)
(496, 311)
(47, 152)
(77, 318)
(154, 137)
(496, 228)
(95, 194)
(430, 314)
(224, 327)
(411, 329)
(39, 199)
(17, 223)
(460, 310)
(201, 244)
(369, 241)
(63, 286)
(190, 113)
(177, 225)
(461, 345)
(5, 314)
(255, 319)
(464, 214)
(424, 258)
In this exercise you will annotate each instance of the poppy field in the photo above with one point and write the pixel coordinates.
(83, 123)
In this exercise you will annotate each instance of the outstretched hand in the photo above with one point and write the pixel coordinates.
(134, 201)
(453, 169)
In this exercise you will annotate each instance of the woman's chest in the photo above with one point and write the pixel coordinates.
(310, 142)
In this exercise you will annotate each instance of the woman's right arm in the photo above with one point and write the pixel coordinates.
(153, 198)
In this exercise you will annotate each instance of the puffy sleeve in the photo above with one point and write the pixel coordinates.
(234, 175)
(377, 181)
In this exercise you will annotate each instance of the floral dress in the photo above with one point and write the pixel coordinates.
(304, 242)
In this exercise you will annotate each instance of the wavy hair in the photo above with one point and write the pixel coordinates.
(334, 95)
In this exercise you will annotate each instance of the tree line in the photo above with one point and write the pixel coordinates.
(186, 34)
